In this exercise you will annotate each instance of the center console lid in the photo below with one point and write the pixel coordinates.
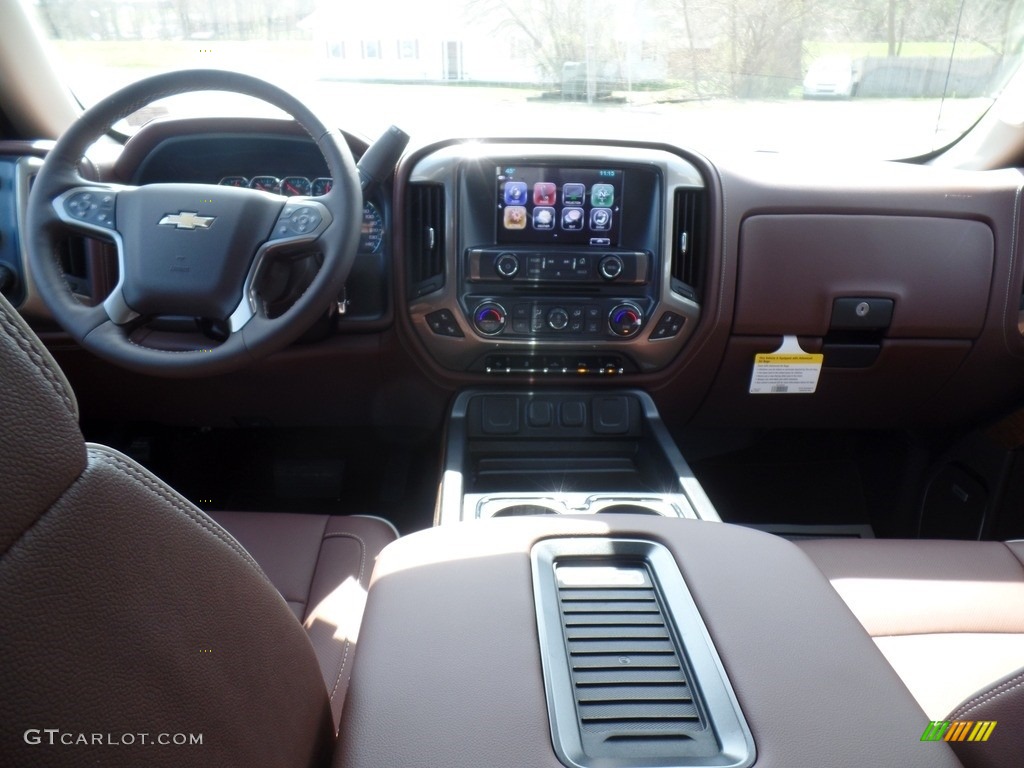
(449, 668)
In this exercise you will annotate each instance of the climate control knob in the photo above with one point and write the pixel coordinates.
(610, 267)
(625, 320)
(489, 318)
(558, 319)
(506, 265)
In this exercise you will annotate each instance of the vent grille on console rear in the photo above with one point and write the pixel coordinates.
(632, 691)
(425, 238)
(623, 689)
(689, 242)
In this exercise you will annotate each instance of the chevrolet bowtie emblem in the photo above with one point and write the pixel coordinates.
(187, 220)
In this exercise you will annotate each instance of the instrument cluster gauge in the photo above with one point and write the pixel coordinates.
(322, 185)
(234, 181)
(292, 186)
(372, 233)
(266, 184)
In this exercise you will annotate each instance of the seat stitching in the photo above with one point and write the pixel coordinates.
(977, 701)
(304, 602)
(176, 502)
(29, 348)
(362, 568)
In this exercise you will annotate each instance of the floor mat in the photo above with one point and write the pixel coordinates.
(792, 478)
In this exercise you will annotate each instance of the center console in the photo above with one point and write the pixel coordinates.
(554, 259)
(480, 645)
(515, 452)
(581, 605)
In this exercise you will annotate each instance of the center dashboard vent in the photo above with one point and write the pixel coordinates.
(690, 242)
(622, 688)
(424, 239)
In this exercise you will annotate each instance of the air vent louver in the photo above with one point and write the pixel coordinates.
(689, 242)
(633, 695)
(425, 239)
(623, 688)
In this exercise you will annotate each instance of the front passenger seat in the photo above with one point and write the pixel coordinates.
(130, 618)
(949, 617)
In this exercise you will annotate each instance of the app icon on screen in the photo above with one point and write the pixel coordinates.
(543, 217)
(601, 219)
(573, 194)
(602, 195)
(544, 193)
(515, 193)
(515, 217)
(572, 218)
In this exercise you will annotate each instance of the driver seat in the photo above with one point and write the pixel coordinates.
(131, 618)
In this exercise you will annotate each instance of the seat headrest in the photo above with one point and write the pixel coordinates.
(41, 447)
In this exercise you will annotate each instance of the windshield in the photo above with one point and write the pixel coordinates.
(881, 78)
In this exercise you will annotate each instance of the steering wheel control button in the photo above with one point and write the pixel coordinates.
(611, 267)
(94, 207)
(489, 318)
(669, 325)
(625, 320)
(506, 265)
(300, 220)
(442, 322)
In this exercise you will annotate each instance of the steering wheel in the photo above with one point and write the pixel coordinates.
(193, 250)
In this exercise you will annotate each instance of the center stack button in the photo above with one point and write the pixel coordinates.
(506, 265)
(558, 319)
(611, 267)
(489, 318)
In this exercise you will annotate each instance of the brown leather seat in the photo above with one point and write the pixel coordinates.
(129, 617)
(949, 617)
(321, 565)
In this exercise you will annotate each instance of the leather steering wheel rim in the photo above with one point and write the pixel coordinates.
(175, 221)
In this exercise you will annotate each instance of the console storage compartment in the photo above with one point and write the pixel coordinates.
(448, 668)
(510, 453)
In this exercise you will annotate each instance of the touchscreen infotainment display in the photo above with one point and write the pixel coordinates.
(538, 205)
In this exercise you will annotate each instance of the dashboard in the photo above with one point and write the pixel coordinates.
(555, 263)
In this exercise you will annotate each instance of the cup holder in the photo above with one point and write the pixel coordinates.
(518, 510)
(629, 509)
(579, 504)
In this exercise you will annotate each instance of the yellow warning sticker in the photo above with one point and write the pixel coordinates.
(786, 371)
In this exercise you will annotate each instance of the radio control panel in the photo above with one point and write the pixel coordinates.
(542, 258)
(559, 266)
(567, 318)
